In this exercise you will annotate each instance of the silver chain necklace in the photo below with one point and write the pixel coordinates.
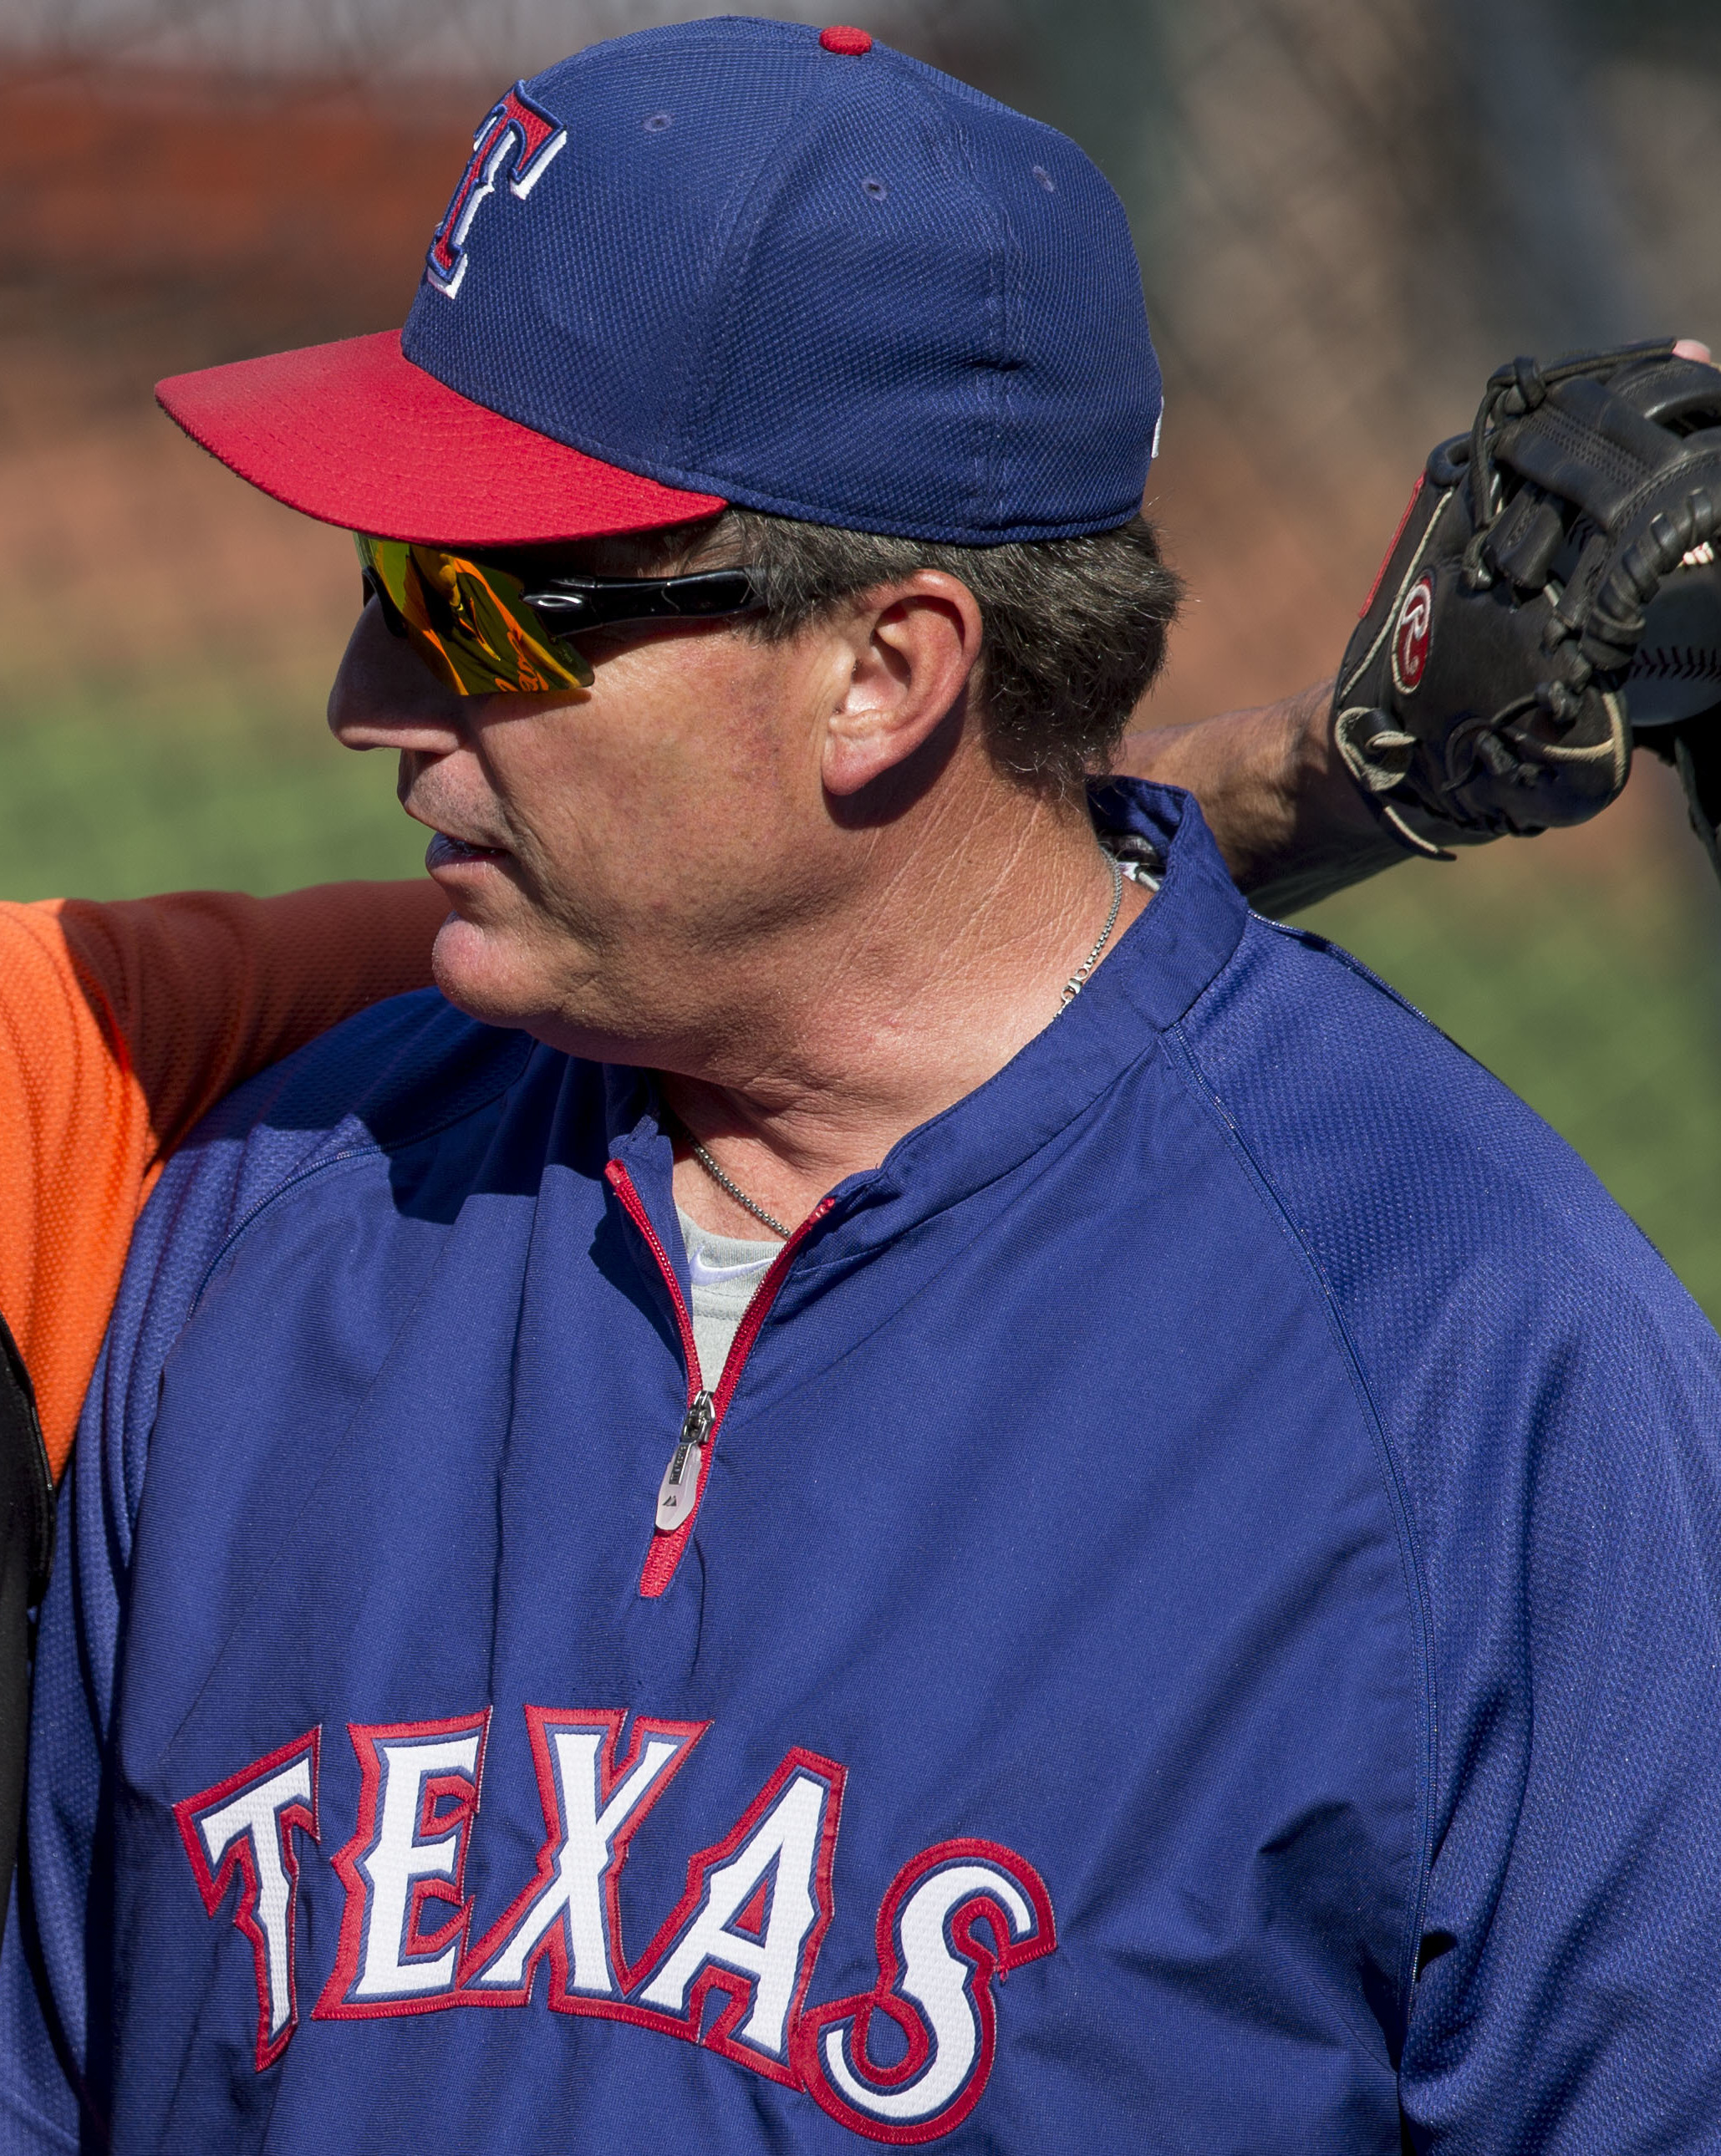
(1078, 980)
(1072, 988)
(735, 1190)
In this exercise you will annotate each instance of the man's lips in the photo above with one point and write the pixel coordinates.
(444, 852)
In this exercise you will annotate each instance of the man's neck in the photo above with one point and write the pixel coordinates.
(898, 1007)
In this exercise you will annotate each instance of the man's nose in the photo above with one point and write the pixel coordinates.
(384, 697)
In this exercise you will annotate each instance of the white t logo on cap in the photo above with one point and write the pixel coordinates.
(515, 128)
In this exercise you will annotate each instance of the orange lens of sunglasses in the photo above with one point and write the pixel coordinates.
(469, 621)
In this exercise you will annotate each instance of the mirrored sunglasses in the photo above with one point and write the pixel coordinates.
(480, 630)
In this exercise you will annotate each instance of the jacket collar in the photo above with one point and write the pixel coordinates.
(1166, 959)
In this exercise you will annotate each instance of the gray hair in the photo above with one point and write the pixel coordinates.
(1073, 630)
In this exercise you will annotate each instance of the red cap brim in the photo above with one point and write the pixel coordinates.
(355, 434)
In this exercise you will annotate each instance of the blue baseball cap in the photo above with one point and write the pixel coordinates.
(731, 261)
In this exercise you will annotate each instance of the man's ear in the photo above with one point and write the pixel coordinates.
(914, 644)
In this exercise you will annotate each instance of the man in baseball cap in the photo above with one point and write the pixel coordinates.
(901, 1479)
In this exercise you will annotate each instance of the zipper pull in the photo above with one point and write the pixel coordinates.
(681, 1478)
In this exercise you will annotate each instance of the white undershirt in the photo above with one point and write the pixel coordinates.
(724, 1272)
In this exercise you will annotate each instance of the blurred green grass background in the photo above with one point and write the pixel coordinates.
(1592, 985)
(124, 789)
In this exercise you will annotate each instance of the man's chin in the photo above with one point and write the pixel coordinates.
(490, 974)
(482, 972)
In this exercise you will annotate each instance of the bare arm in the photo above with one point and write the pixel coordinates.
(1288, 816)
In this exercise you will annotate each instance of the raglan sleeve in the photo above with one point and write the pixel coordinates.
(1568, 1996)
(56, 1969)
(1547, 1403)
(51, 2009)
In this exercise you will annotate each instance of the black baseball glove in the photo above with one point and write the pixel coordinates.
(1553, 591)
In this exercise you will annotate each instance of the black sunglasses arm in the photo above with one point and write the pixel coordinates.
(569, 604)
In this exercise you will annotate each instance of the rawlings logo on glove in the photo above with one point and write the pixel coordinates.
(1552, 590)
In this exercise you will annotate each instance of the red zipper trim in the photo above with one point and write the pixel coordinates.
(665, 1554)
(622, 1183)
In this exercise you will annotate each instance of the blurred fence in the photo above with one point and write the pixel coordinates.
(1348, 210)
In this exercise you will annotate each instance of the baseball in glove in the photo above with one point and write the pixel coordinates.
(1553, 591)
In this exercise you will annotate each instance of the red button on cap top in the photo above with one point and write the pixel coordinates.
(841, 38)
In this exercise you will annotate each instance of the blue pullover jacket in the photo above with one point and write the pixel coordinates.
(1197, 1628)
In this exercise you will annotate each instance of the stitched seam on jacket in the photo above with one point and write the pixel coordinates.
(1183, 1057)
(237, 1235)
(368, 1148)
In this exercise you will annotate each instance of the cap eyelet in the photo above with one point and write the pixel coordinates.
(1045, 179)
(875, 188)
(656, 122)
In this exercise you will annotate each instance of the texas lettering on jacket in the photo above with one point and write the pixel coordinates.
(730, 1968)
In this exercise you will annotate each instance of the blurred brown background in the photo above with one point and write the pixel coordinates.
(1347, 211)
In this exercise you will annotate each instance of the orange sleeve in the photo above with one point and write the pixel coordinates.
(120, 1025)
